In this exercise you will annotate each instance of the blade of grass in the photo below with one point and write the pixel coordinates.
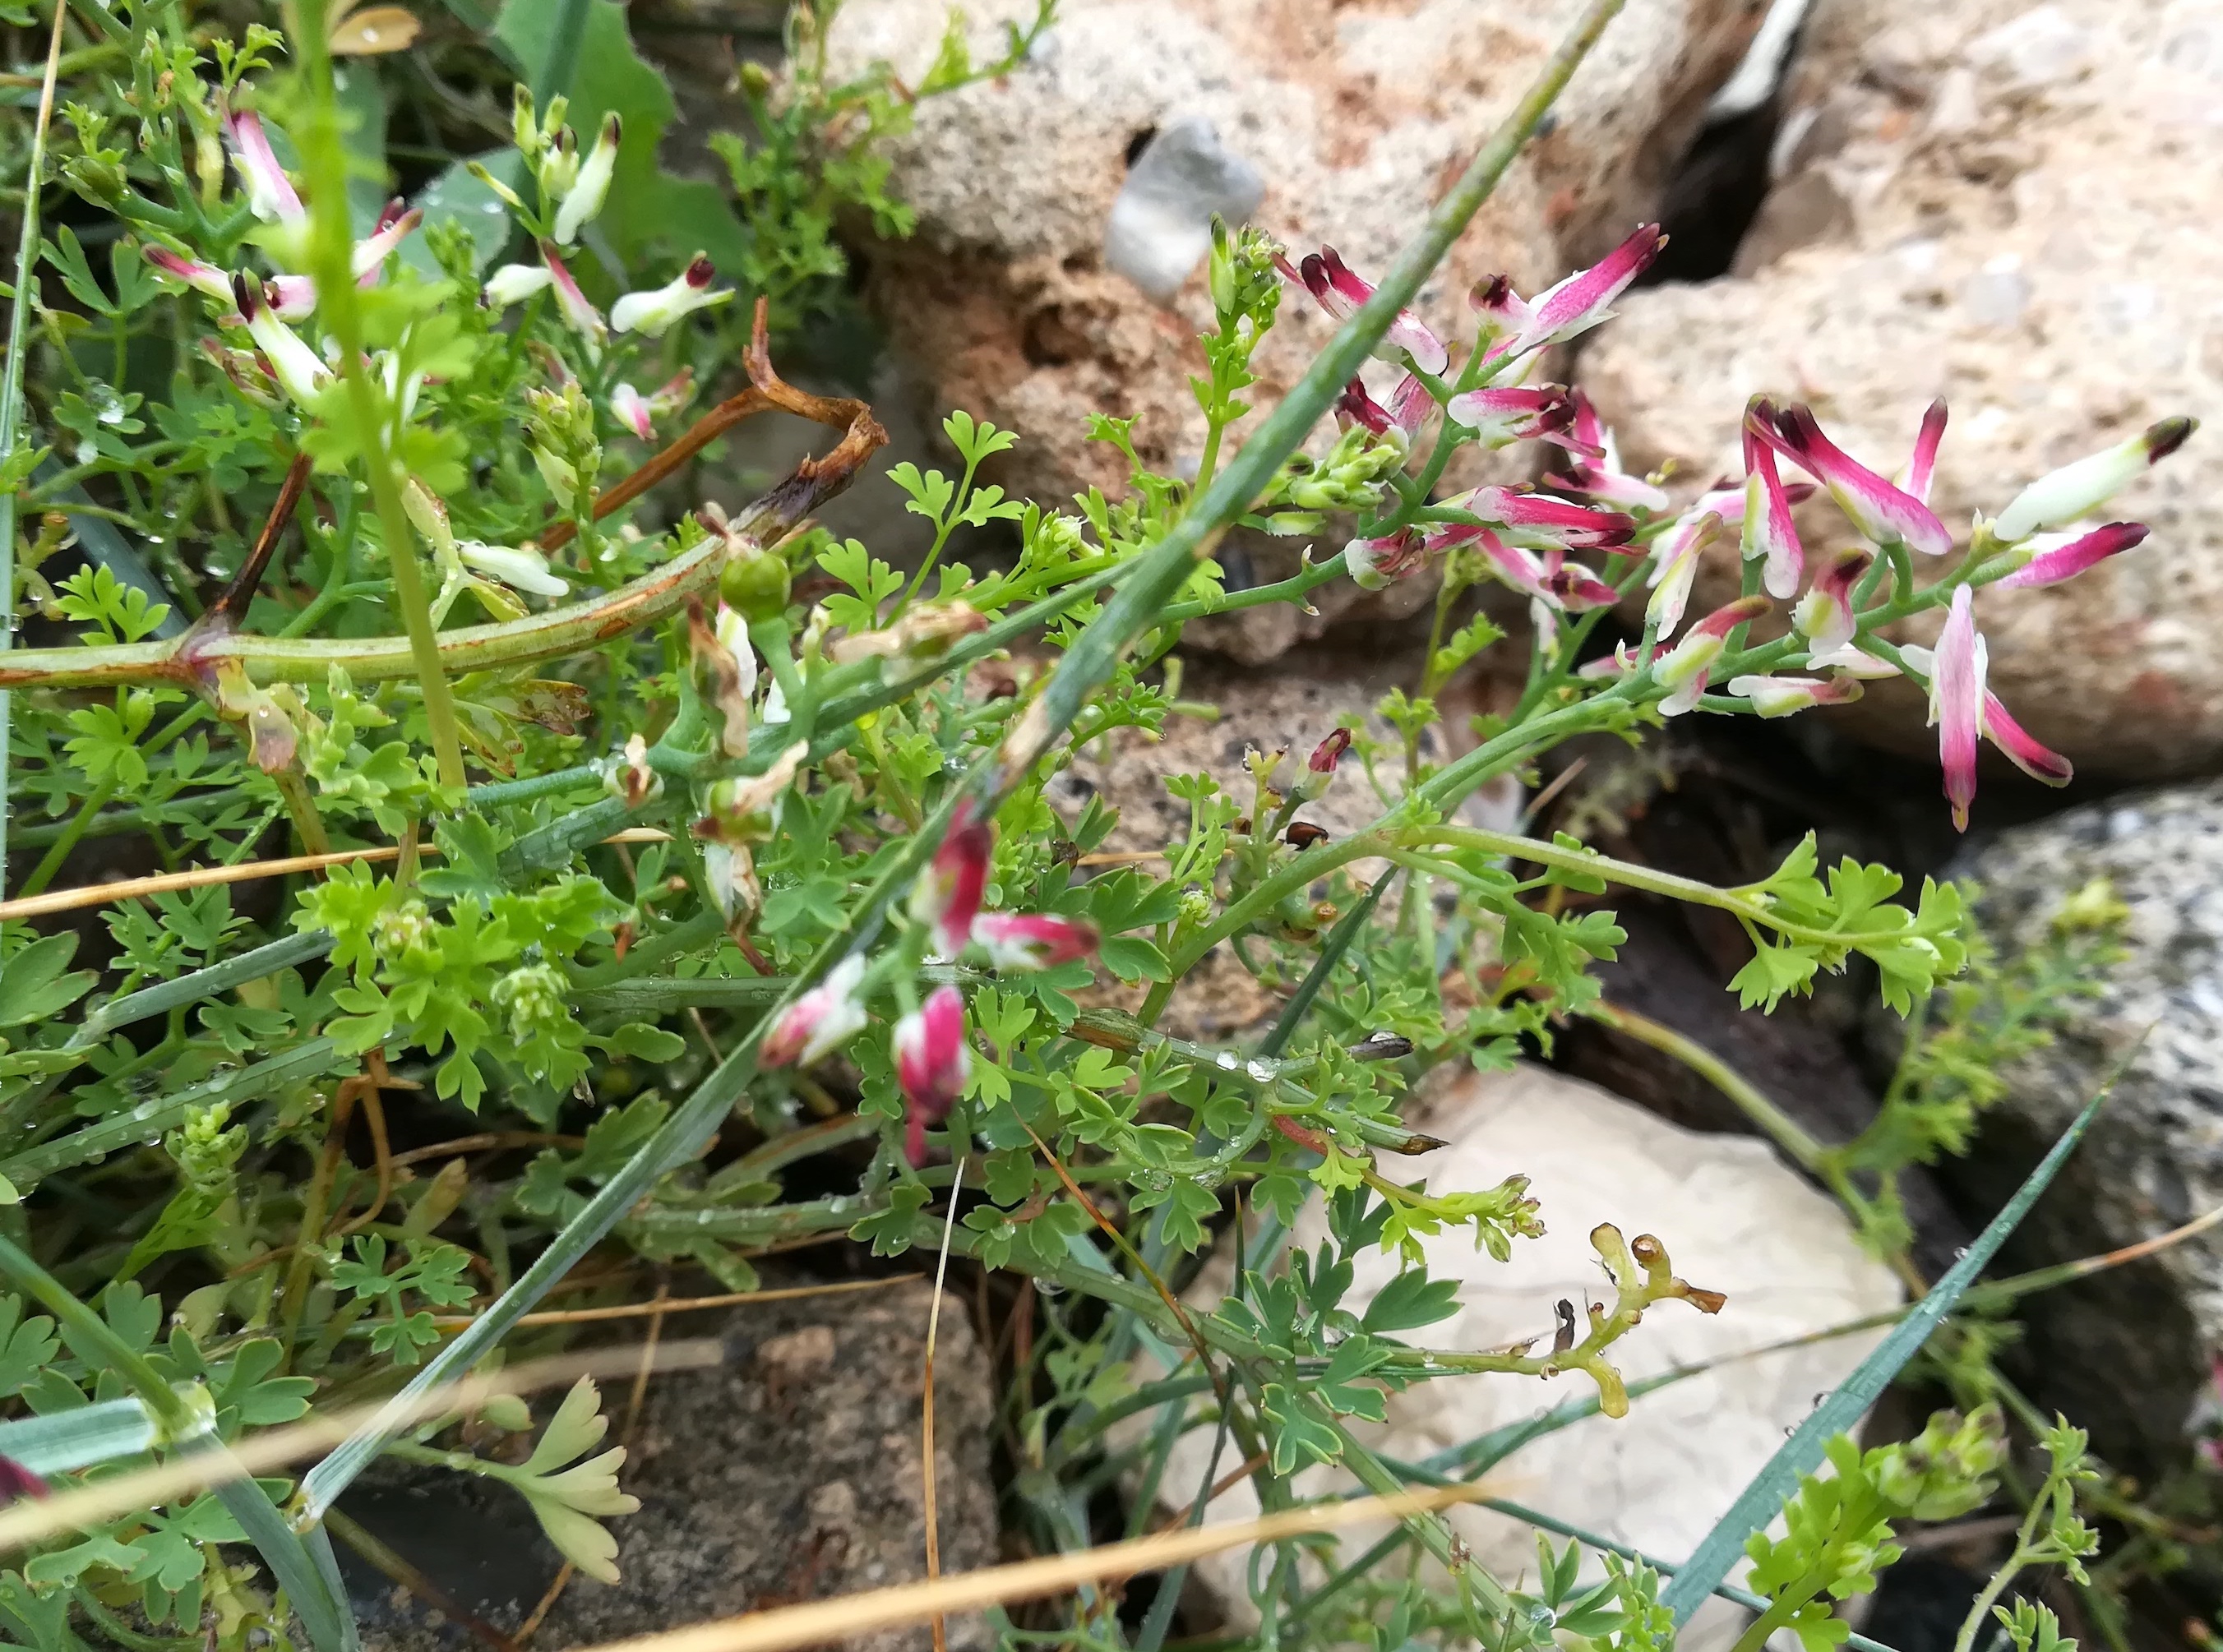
(1761, 1500)
(11, 397)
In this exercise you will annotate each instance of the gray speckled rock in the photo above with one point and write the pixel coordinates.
(2010, 206)
(789, 1473)
(2125, 1353)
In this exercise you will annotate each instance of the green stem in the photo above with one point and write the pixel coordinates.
(1807, 1152)
(331, 247)
(11, 397)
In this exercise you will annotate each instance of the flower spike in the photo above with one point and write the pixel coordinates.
(1956, 702)
(819, 1022)
(932, 1065)
(2071, 553)
(1338, 290)
(2074, 490)
(1884, 515)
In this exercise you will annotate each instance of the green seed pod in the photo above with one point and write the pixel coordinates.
(755, 584)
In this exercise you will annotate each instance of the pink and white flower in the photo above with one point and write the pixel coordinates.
(1602, 477)
(292, 297)
(1767, 531)
(1675, 567)
(630, 408)
(948, 898)
(1883, 514)
(1683, 670)
(580, 316)
(1572, 587)
(393, 227)
(820, 1021)
(1374, 563)
(2058, 557)
(932, 1065)
(1956, 702)
(1824, 615)
(202, 278)
(1022, 941)
(270, 194)
(583, 199)
(1781, 696)
(2062, 496)
(1500, 418)
(514, 283)
(1538, 520)
(1313, 780)
(1573, 306)
(1400, 422)
(673, 394)
(1964, 710)
(652, 312)
(299, 369)
(1340, 292)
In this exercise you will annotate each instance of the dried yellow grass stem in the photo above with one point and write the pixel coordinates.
(823, 1621)
(99, 895)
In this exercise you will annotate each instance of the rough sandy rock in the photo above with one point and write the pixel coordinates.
(2011, 206)
(2125, 1354)
(1353, 118)
(1731, 1220)
(790, 1473)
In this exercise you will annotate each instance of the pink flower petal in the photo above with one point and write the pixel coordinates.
(2053, 564)
(2024, 752)
(1884, 514)
(1957, 703)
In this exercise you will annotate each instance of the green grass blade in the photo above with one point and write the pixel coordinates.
(62, 1440)
(1338, 942)
(1762, 1499)
(11, 399)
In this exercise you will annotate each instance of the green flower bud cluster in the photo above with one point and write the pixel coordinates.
(534, 997)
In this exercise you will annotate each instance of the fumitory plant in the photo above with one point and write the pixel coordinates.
(607, 846)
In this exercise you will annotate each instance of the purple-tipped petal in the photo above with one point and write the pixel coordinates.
(1923, 466)
(1684, 670)
(2025, 753)
(202, 278)
(932, 1065)
(630, 408)
(394, 225)
(1340, 290)
(1374, 563)
(292, 297)
(2062, 496)
(2064, 561)
(1766, 530)
(1884, 514)
(1584, 298)
(580, 316)
(1782, 696)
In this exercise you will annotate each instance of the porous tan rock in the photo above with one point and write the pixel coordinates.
(1732, 1218)
(2012, 206)
(1354, 116)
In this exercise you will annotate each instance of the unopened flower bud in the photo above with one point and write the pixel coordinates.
(2074, 490)
(583, 199)
(1683, 669)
